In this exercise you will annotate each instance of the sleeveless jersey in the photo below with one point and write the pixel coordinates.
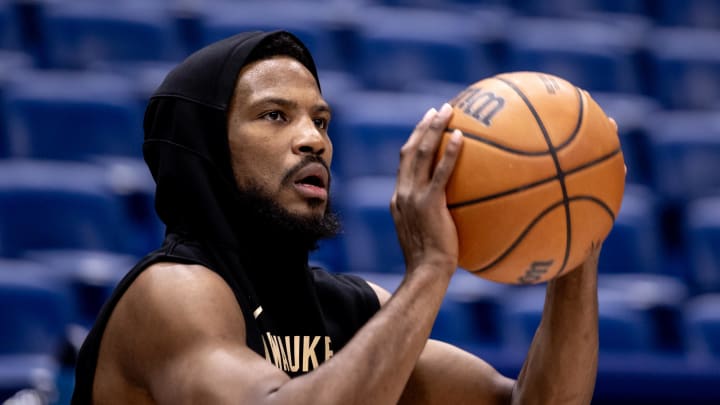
(345, 303)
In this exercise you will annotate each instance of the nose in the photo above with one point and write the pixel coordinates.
(311, 139)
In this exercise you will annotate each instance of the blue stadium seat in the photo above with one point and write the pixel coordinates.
(58, 206)
(10, 63)
(685, 67)
(690, 13)
(703, 244)
(130, 181)
(40, 312)
(520, 314)
(392, 53)
(470, 312)
(371, 127)
(28, 379)
(625, 324)
(72, 115)
(657, 298)
(145, 77)
(702, 326)
(90, 277)
(9, 30)
(336, 85)
(632, 112)
(634, 243)
(80, 34)
(597, 55)
(370, 240)
(320, 27)
(685, 147)
(565, 8)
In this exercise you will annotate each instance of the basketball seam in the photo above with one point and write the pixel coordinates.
(508, 149)
(556, 161)
(521, 237)
(535, 220)
(534, 184)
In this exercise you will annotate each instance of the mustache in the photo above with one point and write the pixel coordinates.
(308, 159)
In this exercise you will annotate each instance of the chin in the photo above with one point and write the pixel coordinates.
(309, 208)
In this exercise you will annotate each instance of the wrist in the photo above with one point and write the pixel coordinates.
(432, 270)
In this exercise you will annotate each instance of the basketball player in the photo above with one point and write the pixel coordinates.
(227, 311)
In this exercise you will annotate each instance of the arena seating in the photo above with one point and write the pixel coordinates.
(634, 244)
(71, 115)
(703, 238)
(77, 35)
(320, 33)
(690, 13)
(369, 138)
(76, 201)
(594, 55)
(685, 67)
(685, 147)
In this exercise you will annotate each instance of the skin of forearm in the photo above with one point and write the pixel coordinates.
(561, 366)
(375, 365)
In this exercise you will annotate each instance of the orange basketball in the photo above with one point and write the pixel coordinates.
(540, 177)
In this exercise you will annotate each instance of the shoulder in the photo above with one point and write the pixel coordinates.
(168, 309)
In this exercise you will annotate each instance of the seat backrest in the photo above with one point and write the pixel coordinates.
(58, 206)
(79, 34)
(72, 116)
(36, 323)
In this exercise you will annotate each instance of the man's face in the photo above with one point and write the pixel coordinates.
(277, 131)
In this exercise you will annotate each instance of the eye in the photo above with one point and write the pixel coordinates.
(321, 123)
(274, 116)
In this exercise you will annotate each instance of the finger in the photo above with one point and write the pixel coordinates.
(405, 168)
(446, 165)
(421, 127)
(430, 142)
(614, 123)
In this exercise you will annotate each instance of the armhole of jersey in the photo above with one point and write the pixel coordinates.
(370, 300)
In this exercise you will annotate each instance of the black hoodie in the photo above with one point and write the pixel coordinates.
(186, 148)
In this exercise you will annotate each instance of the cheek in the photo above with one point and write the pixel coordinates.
(253, 166)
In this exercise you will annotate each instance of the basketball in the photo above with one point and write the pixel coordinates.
(539, 179)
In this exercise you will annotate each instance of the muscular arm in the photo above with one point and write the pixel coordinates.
(186, 345)
(560, 368)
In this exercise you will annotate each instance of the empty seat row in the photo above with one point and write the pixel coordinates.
(383, 47)
(636, 243)
(64, 115)
(52, 205)
(63, 205)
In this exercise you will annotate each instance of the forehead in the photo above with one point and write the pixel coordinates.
(279, 75)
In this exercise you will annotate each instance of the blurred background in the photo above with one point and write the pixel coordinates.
(76, 200)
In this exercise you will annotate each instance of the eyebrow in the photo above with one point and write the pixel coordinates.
(289, 104)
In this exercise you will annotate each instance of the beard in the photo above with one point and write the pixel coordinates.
(275, 222)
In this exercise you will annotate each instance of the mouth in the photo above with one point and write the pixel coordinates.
(312, 181)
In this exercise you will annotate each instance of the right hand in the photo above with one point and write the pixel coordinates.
(424, 226)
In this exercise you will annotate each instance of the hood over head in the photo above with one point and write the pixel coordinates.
(186, 145)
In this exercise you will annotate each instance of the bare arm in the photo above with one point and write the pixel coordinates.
(560, 368)
(182, 338)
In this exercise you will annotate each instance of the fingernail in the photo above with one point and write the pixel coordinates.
(456, 136)
(445, 109)
(431, 112)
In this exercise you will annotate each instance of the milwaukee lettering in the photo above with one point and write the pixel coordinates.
(479, 104)
(535, 272)
(297, 353)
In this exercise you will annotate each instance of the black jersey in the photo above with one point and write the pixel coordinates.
(343, 302)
